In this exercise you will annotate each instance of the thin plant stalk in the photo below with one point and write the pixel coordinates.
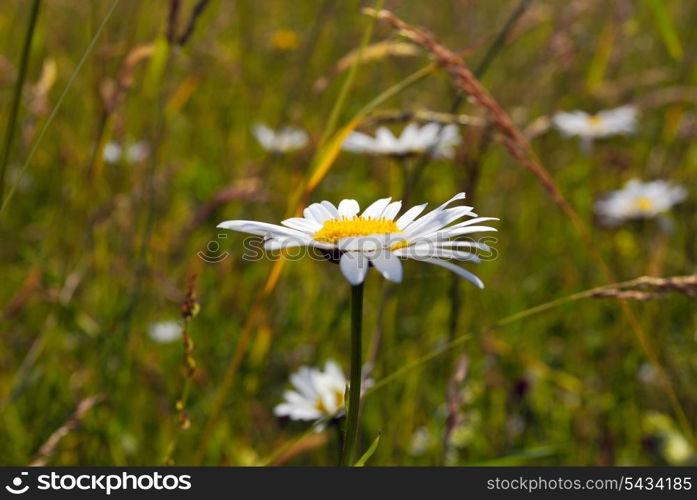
(59, 102)
(354, 390)
(17, 94)
(348, 82)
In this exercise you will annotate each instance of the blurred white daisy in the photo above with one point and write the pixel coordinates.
(376, 237)
(588, 127)
(165, 332)
(112, 152)
(281, 141)
(440, 140)
(133, 153)
(639, 200)
(137, 152)
(317, 394)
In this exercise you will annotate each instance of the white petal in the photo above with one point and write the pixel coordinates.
(349, 208)
(369, 243)
(432, 249)
(463, 244)
(354, 266)
(430, 220)
(302, 224)
(303, 381)
(261, 229)
(437, 220)
(409, 136)
(408, 216)
(297, 399)
(435, 226)
(331, 209)
(317, 213)
(333, 369)
(392, 210)
(456, 269)
(358, 142)
(280, 243)
(376, 209)
(387, 264)
(264, 135)
(451, 233)
(385, 141)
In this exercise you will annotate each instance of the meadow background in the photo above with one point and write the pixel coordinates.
(94, 253)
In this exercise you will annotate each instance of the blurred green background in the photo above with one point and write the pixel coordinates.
(95, 252)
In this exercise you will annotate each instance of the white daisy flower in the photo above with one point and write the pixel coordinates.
(165, 332)
(442, 140)
(639, 200)
(377, 237)
(282, 141)
(137, 152)
(133, 153)
(317, 393)
(112, 152)
(603, 124)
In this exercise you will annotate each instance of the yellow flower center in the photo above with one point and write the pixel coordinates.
(322, 408)
(643, 203)
(335, 229)
(595, 121)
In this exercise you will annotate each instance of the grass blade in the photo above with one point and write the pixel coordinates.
(368, 453)
(17, 95)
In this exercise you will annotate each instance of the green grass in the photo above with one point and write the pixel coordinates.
(93, 253)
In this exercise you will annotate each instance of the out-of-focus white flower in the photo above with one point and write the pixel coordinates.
(639, 200)
(440, 140)
(377, 237)
(421, 441)
(280, 141)
(165, 332)
(112, 152)
(594, 126)
(133, 153)
(317, 394)
(137, 152)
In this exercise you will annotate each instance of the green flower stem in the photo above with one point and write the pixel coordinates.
(354, 402)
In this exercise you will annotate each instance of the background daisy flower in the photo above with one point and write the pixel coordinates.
(594, 126)
(442, 140)
(317, 393)
(639, 200)
(133, 153)
(165, 332)
(377, 236)
(283, 140)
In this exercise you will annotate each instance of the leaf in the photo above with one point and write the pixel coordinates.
(369, 452)
(601, 58)
(666, 28)
(156, 67)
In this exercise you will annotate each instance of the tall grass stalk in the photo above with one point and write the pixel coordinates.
(348, 82)
(17, 94)
(54, 112)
